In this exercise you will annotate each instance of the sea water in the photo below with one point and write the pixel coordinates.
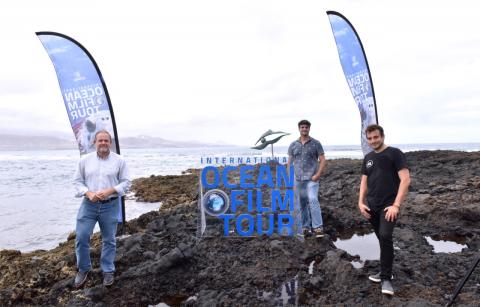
(37, 203)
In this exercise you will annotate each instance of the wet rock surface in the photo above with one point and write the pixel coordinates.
(161, 260)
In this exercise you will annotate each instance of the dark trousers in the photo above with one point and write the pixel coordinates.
(384, 231)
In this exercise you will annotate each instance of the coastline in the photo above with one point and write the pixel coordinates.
(161, 261)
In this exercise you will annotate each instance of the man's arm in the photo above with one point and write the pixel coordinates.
(289, 164)
(404, 175)
(79, 183)
(392, 211)
(322, 162)
(364, 210)
(124, 180)
(290, 159)
(290, 169)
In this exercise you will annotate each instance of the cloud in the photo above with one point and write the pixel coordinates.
(18, 85)
(214, 69)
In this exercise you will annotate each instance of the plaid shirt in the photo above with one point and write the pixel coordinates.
(305, 158)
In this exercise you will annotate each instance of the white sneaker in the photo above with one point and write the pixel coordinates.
(376, 277)
(387, 287)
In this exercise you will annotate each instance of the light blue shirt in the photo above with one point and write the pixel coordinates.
(95, 174)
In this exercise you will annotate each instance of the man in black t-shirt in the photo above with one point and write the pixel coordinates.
(384, 184)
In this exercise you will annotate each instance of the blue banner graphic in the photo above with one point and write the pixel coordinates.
(83, 89)
(84, 93)
(356, 70)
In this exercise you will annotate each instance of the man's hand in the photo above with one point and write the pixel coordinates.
(364, 210)
(91, 196)
(392, 213)
(315, 177)
(103, 194)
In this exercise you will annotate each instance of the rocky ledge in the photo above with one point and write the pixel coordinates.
(161, 259)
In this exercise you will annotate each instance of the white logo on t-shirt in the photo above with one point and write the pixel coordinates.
(369, 163)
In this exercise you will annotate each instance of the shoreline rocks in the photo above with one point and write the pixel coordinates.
(161, 260)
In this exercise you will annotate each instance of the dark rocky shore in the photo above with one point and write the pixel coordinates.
(161, 259)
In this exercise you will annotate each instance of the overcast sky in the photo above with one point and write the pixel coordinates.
(226, 71)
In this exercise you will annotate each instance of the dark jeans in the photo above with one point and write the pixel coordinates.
(384, 231)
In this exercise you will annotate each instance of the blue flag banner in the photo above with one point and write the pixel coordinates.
(355, 67)
(83, 90)
(84, 93)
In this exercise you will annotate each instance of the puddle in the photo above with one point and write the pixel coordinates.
(366, 246)
(446, 244)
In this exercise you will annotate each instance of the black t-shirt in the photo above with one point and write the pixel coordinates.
(382, 172)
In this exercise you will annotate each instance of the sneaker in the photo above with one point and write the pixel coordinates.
(387, 287)
(376, 277)
(108, 279)
(80, 278)
(307, 232)
(318, 232)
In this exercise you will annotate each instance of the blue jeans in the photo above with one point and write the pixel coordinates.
(306, 196)
(88, 215)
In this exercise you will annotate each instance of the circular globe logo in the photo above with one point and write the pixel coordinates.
(215, 202)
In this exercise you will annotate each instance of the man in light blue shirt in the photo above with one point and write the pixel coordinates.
(101, 178)
(308, 158)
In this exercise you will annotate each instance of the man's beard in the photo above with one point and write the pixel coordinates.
(378, 147)
(103, 150)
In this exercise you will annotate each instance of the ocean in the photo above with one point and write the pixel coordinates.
(38, 207)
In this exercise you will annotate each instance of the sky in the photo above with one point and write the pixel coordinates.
(227, 71)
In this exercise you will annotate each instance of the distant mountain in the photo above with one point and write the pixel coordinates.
(26, 142)
(32, 142)
(145, 141)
